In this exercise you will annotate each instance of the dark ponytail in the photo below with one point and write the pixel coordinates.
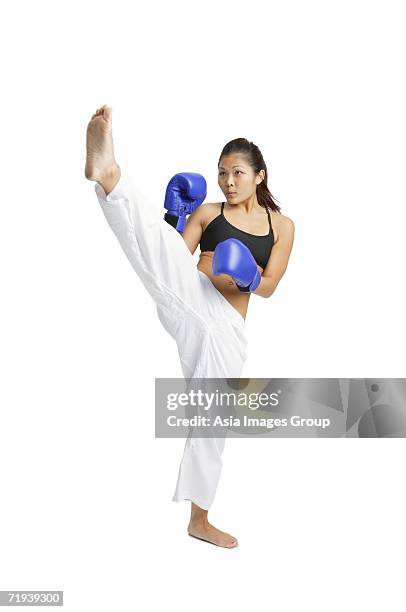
(257, 163)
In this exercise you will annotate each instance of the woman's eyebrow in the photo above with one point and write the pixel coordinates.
(238, 166)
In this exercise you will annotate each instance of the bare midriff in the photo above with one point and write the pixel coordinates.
(225, 284)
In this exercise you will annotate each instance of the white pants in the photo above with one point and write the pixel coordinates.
(208, 331)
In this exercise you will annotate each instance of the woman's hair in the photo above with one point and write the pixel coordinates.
(254, 158)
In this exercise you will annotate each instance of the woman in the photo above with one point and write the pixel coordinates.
(204, 312)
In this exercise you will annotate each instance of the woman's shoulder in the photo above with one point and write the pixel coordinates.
(283, 219)
(281, 225)
(211, 206)
(205, 213)
(208, 212)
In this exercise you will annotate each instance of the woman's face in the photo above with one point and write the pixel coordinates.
(236, 178)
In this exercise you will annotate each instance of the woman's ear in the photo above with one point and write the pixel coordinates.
(260, 176)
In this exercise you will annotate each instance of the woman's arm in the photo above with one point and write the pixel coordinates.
(194, 228)
(278, 261)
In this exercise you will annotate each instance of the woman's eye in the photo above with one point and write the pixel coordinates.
(220, 173)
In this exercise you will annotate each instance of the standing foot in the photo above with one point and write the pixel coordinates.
(200, 528)
(207, 532)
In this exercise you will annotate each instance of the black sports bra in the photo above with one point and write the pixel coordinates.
(220, 229)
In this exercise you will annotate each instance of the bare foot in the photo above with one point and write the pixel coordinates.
(205, 531)
(101, 165)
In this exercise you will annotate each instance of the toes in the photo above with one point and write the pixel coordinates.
(233, 540)
(108, 113)
(104, 111)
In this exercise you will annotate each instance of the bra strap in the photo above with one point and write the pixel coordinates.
(269, 218)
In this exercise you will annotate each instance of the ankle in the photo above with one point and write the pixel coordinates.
(198, 521)
(110, 179)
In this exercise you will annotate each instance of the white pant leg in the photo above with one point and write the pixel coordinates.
(222, 355)
(207, 329)
(154, 248)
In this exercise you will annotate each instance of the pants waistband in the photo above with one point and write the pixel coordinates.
(233, 314)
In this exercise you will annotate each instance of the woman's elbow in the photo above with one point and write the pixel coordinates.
(264, 294)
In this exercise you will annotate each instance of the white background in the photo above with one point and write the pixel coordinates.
(86, 489)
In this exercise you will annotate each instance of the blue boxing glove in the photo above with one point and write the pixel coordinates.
(184, 193)
(234, 258)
